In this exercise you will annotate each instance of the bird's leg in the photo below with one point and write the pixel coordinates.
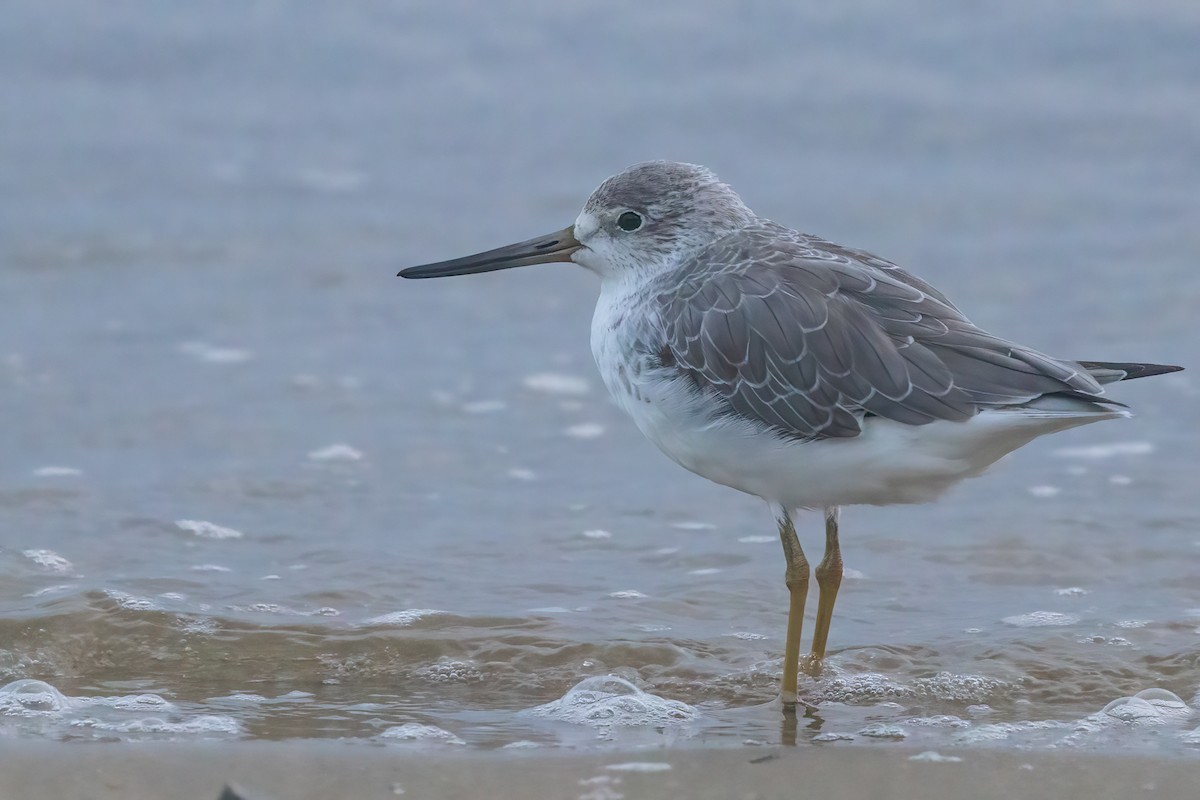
(796, 578)
(829, 578)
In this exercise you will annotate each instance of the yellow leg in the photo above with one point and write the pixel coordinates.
(797, 584)
(829, 579)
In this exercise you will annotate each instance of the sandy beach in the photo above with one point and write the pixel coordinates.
(312, 770)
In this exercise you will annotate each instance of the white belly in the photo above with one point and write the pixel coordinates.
(889, 462)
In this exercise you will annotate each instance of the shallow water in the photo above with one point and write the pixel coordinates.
(254, 486)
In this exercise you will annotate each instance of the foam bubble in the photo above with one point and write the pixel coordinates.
(336, 452)
(266, 608)
(600, 788)
(34, 699)
(1041, 619)
(56, 472)
(416, 732)
(833, 737)
(242, 697)
(1162, 697)
(1150, 710)
(522, 474)
(202, 351)
(48, 559)
(134, 702)
(1001, 731)
(206, 724)
(554, 383)
(939, 721)
(604, 701)
(1114, 641)
(450, 671)
(597, 534)
(881, 730)
(1044, 491)
(29, 697)
(585, 430)
(640, 766)
(845, 688)
(867, 686)
(1130, 709)
(758, 539)
(131, 602)
(1156, 706)
(201, 625)
(207, 530)
(626, 594)
(1099, 451)
(935, 757)
(402, 618)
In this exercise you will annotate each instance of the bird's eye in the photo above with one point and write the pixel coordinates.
(629, 221)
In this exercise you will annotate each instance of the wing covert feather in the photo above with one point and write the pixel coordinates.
(807, 338)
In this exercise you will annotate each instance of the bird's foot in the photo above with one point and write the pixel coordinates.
(796, 705)
(812, 665)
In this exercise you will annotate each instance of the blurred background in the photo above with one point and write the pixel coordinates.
(264, 488)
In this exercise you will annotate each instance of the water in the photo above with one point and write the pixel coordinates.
(255, 486)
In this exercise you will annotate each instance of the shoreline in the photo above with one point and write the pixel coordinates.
(314, 769)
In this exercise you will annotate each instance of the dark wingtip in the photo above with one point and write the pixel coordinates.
(1132, 370)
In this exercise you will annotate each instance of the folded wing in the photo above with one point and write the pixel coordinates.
(808, 338)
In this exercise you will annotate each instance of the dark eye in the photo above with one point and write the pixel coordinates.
(629, 221)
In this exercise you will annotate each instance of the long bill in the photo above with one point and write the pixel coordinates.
(557, 246)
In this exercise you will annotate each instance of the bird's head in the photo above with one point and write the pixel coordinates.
(640, 221)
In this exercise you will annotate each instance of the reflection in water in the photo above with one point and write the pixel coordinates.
(813, 722)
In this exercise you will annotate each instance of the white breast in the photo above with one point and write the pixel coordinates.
(889, 462)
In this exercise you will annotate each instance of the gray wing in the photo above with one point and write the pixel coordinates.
(808, 338)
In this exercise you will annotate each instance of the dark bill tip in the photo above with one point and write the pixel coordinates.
(556, 246)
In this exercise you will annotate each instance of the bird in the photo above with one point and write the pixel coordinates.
(794, 369)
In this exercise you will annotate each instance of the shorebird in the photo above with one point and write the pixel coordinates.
(809, 374)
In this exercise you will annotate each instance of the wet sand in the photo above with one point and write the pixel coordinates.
(299, 770)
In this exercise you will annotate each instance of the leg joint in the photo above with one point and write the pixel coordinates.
(796, 583)
(829, 571)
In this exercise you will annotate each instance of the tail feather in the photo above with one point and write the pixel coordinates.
(1113, 371)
